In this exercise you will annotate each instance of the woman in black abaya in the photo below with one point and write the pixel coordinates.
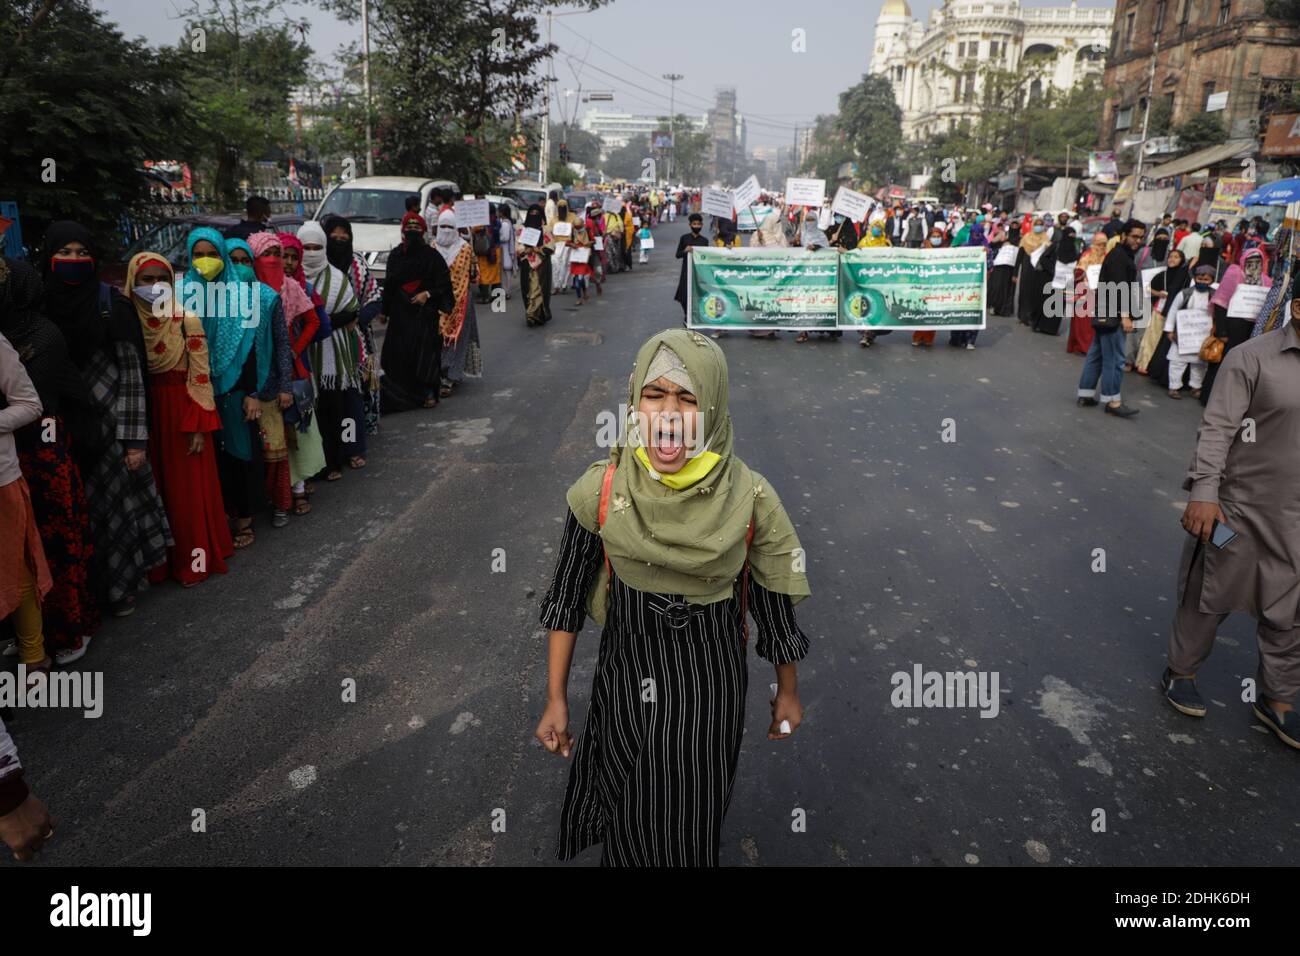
(417, 289)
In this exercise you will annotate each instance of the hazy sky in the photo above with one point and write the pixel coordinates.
(740, 43)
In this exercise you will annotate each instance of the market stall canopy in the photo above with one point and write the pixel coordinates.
(1094, 186)
(1274, 194)
(1210, 156)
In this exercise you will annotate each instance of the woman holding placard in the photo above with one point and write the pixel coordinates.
(535, 251)
(1236, 303)
(580, 262)
(561, 229)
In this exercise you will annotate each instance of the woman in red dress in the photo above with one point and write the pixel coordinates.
(1084, 297)
(182, 412)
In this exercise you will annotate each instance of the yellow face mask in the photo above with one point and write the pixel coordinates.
(694, 469)
(208, 266)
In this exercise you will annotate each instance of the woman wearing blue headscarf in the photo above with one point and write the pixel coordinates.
(277, 394)
(240, 350)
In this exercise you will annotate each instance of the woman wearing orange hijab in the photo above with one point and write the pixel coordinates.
(182, 414)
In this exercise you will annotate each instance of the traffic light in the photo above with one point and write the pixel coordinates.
(564, 152)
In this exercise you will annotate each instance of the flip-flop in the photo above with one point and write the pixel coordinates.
(352, 463)
(334, 476)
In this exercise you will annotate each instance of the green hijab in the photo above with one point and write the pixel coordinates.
(689, 541)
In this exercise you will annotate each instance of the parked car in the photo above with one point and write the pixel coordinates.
(168, 238)
(526, 191)
(375, 206)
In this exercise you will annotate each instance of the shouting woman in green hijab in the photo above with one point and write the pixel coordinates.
(668, 543)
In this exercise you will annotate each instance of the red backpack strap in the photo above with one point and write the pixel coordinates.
(744, 588)
(602, 512)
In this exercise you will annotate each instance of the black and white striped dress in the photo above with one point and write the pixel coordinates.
(652, 771)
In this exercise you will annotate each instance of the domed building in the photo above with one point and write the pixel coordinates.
(934, 66)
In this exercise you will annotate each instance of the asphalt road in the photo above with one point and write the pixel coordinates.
(974, 554)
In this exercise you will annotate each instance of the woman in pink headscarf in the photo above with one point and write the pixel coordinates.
(1236, 305)
(306, 452)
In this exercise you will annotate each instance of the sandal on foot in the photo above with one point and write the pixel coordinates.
(356, 462)
(334, 475)
(243, 538)
(301, 505)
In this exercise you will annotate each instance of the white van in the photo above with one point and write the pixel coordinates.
(375, 206)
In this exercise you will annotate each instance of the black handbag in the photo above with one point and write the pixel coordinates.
(482, 243)
(304, 403)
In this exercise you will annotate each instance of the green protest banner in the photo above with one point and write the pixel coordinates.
(757, 288)
(910, 289)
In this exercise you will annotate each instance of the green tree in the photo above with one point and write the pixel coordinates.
(830, 149)
(872, 126)
(626, 161)
(583, 146)
(452, 82)
(691, 148)
(240, 70)
(1200, 131)
(81, 108)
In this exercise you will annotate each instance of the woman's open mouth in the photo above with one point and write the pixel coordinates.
(668, 445)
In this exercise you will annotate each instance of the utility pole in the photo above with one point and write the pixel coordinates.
(365, 78)
(1146, 118)
(672, 79)
(544, 160)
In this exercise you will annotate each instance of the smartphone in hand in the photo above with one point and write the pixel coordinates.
(1221, 536)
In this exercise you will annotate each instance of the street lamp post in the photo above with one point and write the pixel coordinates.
(1146, 119)
(672, 79)
(365, 78)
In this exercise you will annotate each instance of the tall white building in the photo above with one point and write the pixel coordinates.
(934, 66)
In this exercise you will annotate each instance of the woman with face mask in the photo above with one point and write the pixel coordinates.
(936, 240)
(563, 247)
(1002, 269)
(70, 611)
(306, 451)
(1236, 304)
(338, 249)
(337, 360)
(461, 357)
(241, 353)
(127, 518)
(535, 268)
(183, 416)
(1029, 283)
(417, 289)
(276, 395)
(665, 546)
(874, 237)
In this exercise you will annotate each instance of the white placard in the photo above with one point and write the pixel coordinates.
(1193, 329)
(747, 192)
(530, 237)
(599, 243)
(717, 202)
(471, 212)
(1063, 275)
(1006, 255)
(1036, 255)
(1094, 276)
(636, 220)
(1246, 301)
(580, 254)
(1147, 276)
(562, 230)
(614, 204)
(805, 192)
(851, 203)
(647, 242)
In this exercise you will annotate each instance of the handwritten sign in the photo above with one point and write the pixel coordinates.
(530, 237)
(647, 242)
(1193, 329)
(717, 202)
(636, 220)
(1006, 255)
(1246, 301)
(580, 254)
(614, 204)
(471, 212)
(563, 230)
(599, 243)
(805, 192)
(747, 193)
(1094, 277)
(850, 203)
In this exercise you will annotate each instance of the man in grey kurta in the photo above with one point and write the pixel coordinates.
(1243, 474)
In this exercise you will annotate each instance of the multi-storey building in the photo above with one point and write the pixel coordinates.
(1224, 57)
(934, 67)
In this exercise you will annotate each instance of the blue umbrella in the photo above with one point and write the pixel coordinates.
(1274, 194)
